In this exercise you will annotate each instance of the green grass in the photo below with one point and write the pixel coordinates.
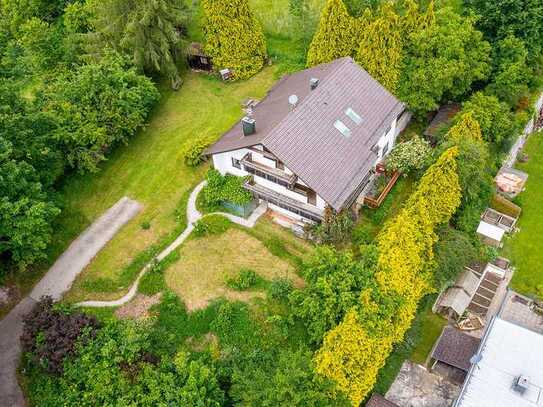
(524, 247)
(431, 327)
(149, 169)
(371, 220)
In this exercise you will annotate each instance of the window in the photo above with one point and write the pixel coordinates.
(355, 117)
(236, 163)
(342, 128)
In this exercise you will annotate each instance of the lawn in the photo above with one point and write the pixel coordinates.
(524, 247)
(199, 276)
(431, 327)
(149, 169)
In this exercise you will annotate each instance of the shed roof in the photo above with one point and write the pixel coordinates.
(455, 348)
(494, 232)
(308, 140)
(459, 296)
(443, 116)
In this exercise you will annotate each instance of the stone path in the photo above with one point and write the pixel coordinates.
(193, 216)
(55, 283)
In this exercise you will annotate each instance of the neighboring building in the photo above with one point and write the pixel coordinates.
(314, 140)
(452, 353)
(507, 370)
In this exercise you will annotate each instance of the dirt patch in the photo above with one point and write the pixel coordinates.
(199, 276)
(139, 307)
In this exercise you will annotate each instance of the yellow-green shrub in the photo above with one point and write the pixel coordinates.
(234, 37)
(354, 351)
(336, 35)
(347, 357)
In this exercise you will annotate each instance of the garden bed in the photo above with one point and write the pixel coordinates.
(381, 186)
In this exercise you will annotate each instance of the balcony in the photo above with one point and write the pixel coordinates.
(285, 202)
(269, 173)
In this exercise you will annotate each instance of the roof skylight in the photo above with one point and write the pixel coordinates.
(355, 117)
(342, 128)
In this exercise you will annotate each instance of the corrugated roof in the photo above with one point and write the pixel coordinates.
(459, 296)
(455, 348)
(307, 141)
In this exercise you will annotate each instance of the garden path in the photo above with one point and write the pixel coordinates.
(193, 216)
(56, 282)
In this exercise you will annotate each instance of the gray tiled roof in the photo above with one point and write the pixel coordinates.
(272, 109)
(306, 140)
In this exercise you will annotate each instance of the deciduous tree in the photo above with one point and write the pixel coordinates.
(443, 60)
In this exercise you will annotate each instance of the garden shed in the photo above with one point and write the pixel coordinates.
(442, 118)
(454, 301)
(197, 59)
(489, 234)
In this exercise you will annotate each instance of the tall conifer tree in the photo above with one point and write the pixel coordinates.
(381, 48)
(336, 35)
(234, 37)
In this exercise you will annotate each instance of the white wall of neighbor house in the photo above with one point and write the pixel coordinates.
(223, 163)
(387, 141)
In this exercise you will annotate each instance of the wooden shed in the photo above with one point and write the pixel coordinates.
(454, 301)
(197, 59)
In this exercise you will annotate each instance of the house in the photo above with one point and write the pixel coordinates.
(507, 369)
(313, 142)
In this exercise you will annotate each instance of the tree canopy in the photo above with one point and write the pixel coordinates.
(148, 31)
(443, 60)
(336, 34)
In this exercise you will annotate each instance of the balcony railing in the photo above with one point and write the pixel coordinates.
(285, 202)
(247, 162)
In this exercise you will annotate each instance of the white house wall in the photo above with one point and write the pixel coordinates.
(223, 163)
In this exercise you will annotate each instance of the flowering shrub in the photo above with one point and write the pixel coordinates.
(409, 156)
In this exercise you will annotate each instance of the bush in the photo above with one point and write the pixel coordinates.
(280, 289)
(211, 225)
(245, 279)
(409, 156)
(192, 151)
(50, 335)
(334, 228)
(222, 188)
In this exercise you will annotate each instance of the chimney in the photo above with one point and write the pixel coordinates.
(293, 101)
(248, 124)
(313, 83)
